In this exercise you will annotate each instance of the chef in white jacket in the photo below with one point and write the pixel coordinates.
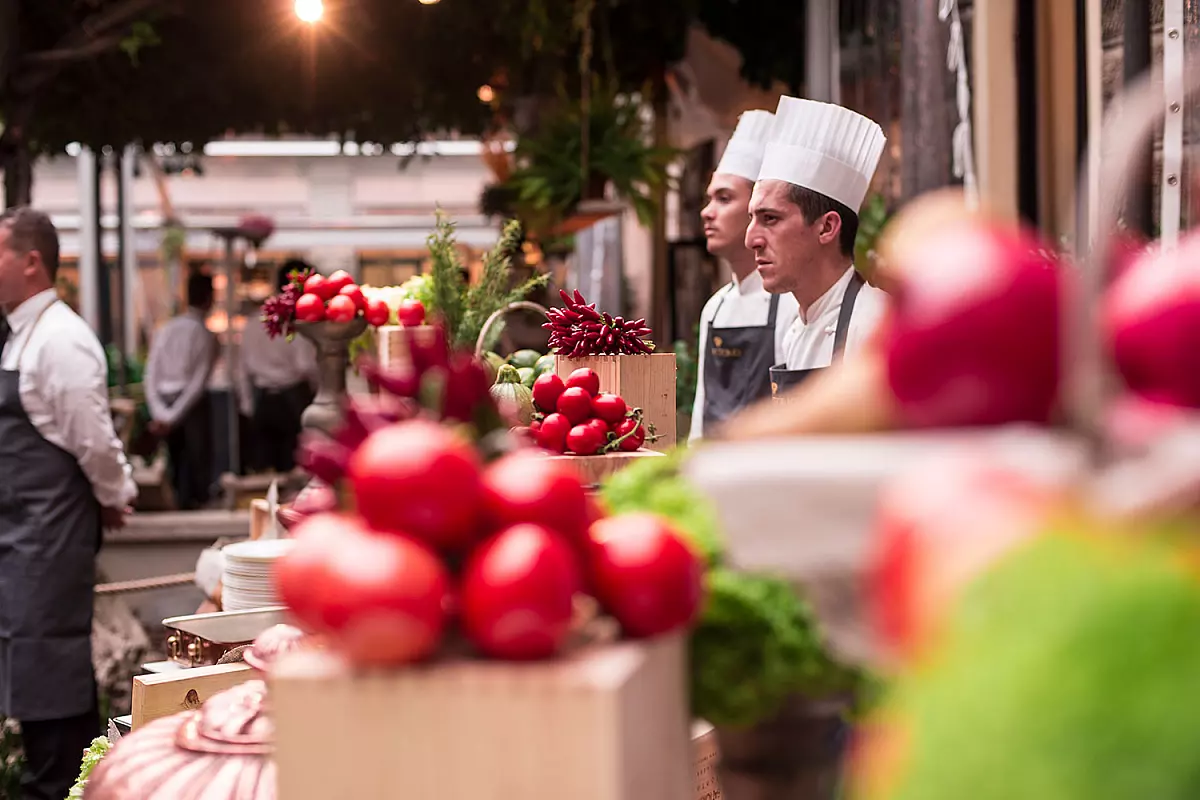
(742, 327)
(816, 169)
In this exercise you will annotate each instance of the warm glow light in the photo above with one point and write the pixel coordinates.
(429, 2)
(310, 11)
(486, 94)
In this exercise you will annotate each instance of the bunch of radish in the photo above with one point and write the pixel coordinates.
(337, 298)
(574, 416)
(440, 545)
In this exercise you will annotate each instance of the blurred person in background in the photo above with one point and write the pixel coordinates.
(742, 327)
(816, 170)
(181, 361)
(63, 479)
(278, 380)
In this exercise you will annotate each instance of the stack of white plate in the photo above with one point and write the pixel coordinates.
(246, 579)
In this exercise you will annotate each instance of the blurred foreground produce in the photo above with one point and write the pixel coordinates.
(1069, 673)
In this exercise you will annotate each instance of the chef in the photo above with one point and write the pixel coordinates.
(63, 476)
(818, 164)
(742, 326)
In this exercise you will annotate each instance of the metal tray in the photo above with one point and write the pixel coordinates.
(200, 640)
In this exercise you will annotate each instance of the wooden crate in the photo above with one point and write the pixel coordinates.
(166, 693)
(594, 469)
(393, 345)
(603, 723)
(646, 382)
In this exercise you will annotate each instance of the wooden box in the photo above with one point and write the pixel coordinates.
(392, 344)
(594, 469)
(166, 693)
(646, 382)
(602, 723)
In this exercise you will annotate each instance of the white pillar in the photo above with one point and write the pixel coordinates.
(130, 276)
(89, 271)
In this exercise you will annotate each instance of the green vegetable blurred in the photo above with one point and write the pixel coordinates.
(91, 757)
(656, 485)
(1068, 673)
(687, 370)
(758, 644)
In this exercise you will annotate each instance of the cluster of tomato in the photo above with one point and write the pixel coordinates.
(576, 417)
(337, 298)
(501, 552)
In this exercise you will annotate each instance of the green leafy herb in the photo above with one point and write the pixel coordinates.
(448, 274)
(91, 757)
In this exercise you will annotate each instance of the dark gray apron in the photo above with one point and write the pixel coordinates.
(783, 378)
(49, 535)
(737, 365)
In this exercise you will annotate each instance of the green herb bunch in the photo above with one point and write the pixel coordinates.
(464, 309)
(91, 757)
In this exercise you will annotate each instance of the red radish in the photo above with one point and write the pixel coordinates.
(1152, 324)
(585, 379)
(609, 407)
(940, 525)
(973, 337)
(410, 313)
(355, 294)
(585, 440)
(645, 574)
(339, 280)
(575, 404)
(527, 487)
(378, 314)
(517, 594)
(422, 479)
(320, 286)
(341, 309)
(546, 391)
(635, 441)
(552, 435)
(310, 308)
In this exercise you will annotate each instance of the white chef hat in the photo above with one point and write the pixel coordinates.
(744, 154)
(826, 148)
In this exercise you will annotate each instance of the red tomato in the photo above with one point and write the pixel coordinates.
(310, 308)
(601, 427)
(636, 440)
(300, 577)
(585, 379)
(552, 435)
(419, 478)
(339, 280)
(546, 391)
(535, 426)
(645, 574)
(527, 487)
(355, 294)
(341, 309)
(411, 313)
(575, 404)
(397, 590)
(585, 440)
(320, 286)
(378, 314)
(517, 594)
(609, 407)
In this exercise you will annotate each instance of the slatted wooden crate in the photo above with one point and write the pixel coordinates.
(646, 382)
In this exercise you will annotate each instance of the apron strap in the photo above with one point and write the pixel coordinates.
(847, 311)
(32, 328)
(726, 289)
(774, 311)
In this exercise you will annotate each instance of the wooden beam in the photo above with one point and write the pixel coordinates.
(994, 70)
(1057, 110)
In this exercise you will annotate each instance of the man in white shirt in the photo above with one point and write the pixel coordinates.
(278, 381)
(816, 170)
(181, 360)
(742, 327)
(63, 478)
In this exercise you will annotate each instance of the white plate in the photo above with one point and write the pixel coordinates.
(258, 550)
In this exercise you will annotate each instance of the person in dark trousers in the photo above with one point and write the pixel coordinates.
(63, 478)
(181, 360)
(278, 381)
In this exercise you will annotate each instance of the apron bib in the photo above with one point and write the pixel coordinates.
(783, 378)
(49, 534)
(737, 365)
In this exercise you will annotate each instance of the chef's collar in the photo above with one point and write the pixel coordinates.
(25, 314)
(829, 301)
(752, 283)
